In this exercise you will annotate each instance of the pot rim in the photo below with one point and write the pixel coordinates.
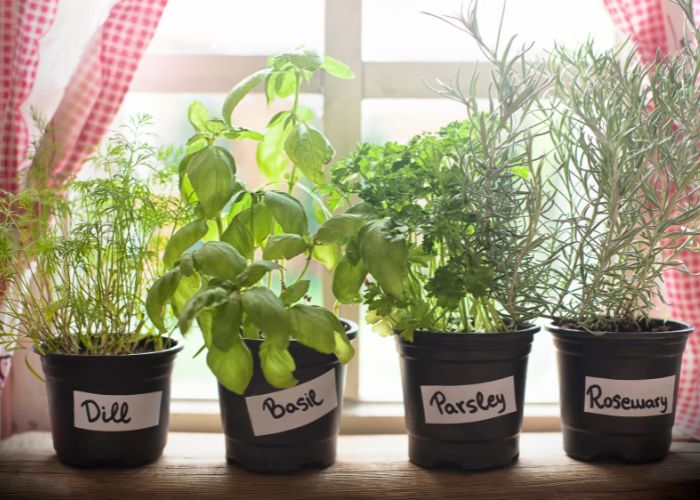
(527, 328)
(681, 328)
(174, 348)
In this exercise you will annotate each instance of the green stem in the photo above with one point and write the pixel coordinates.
(306, 266)
(220, 227)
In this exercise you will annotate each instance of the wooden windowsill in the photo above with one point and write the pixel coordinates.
(368, 467)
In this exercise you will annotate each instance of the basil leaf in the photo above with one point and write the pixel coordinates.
(216, 125)
(239, 91)
(352, 251)
(302, 58)
(294, 292)
(284, 246)
(270, 156)
(386, 257)
(254, 273)
(287, 211)
(337, 69)
(238, 134)
(257, 220)
(268, 313)
(309, 150)
(186, 264)
(196, 144)
(159, 294)
(211, 172)
(182, 166)
(183, 239)
(328, 255)
(226, 324)
(233, 368)
(280, 84)
(187, 287)
(238, 236)
(218, 259)
(206, 298)
(198, 115)
(338, 228)
(321, 213)
(344, 350)
(313, 326)
(347, 281)
(277, 365)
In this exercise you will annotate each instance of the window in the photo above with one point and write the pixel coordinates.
(202, 48)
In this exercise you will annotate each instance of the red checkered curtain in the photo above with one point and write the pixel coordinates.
(22, 25)
(96, 90)
(646, 21)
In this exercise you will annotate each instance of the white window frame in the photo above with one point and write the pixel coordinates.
(342, 123)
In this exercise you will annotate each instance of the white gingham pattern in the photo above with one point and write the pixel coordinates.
(646, 22)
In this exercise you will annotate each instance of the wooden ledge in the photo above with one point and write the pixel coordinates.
(367, 467)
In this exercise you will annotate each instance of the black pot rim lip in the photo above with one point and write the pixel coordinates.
(425, 335)
(173, 349)
(351, 332)
(682, 329)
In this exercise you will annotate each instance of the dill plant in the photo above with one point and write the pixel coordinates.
(628, 133)
(469, 204)
(76, 268)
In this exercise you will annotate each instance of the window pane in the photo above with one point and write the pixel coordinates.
(400, 119)
(262, 27)
(192, 378)
(413, 36)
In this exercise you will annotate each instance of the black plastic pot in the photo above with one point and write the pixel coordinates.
(306, 434)
(441, 369)
(597, 373)
(109, 410)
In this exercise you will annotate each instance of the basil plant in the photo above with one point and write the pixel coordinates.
(228, 267)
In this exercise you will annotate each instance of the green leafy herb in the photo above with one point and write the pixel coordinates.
(77, 269)
(455, 233)
(232, 296)
(628, 132)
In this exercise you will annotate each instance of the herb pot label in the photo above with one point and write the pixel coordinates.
(116, 413)
(459, 404)
(630, 398)
(281, 411)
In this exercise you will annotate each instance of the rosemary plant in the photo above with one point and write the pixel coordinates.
(77, 268)
(629, 133)
(463, 210)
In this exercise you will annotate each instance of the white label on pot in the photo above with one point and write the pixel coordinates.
(291, 408)
(459, 404)
(629, 398)
(115, 413)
